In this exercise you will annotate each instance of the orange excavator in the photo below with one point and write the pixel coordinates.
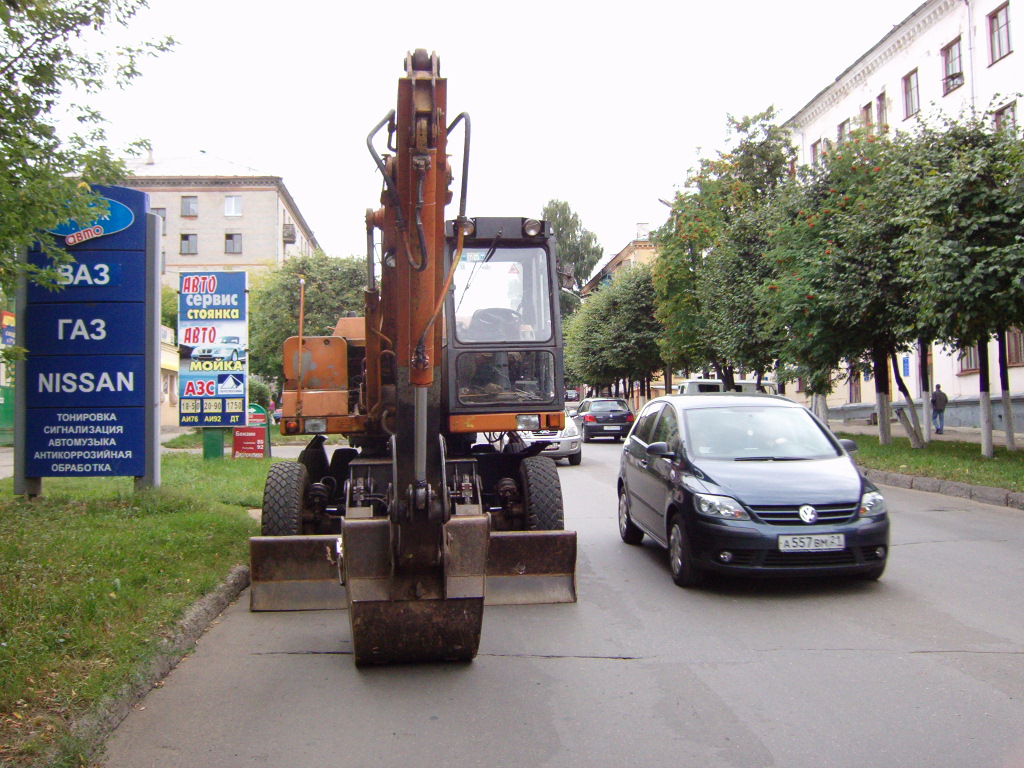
(415, 524)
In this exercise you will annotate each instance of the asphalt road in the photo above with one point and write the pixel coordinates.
(923, 668)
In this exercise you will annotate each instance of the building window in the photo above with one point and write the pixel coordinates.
(952, 67)
(162, 213)
(844, 131)
(1015, 346)
(816, 153)
(189, 206)
(865, 115)
(233, 243)
(911, 97)
(190, 244)
(855, 396)
(232, 205)
(969, 360)
(881, 114)
(999, 33)
(1005, 118)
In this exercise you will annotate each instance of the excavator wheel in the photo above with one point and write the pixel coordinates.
(542, 494)
(283, 499)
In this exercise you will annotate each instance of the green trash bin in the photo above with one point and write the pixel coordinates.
(213, 443)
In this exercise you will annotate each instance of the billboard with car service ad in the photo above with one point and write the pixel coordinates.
(213, 340)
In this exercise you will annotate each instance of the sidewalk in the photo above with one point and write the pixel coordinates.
(949, 434)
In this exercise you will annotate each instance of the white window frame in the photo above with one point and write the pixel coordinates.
(232, 205)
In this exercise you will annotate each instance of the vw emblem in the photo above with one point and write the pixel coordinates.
(808, 514)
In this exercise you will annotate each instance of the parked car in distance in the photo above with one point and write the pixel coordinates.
(603, 417)
(748, 484)
(704, 386)
(562, 444)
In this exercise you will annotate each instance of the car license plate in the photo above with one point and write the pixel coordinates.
(824, 542)
(612, 429)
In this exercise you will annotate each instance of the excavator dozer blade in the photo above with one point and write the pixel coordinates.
(295, 573)
(531, 567)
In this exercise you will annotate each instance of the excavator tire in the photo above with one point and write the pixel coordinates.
(542, 494)
(283, 499)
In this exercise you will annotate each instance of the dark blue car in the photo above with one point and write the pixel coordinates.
(748, 484)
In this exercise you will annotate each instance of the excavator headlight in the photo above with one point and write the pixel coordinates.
(468, 228)
(316, 425)
(528, 421)
(531, 227)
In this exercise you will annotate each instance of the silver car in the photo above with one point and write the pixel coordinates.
(564, 444)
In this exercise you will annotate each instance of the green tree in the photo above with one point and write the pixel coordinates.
(844, 289)
(710, 253)
(169, 307)
(44, 175)
(333, 287)
(966, 225)
(578, 249)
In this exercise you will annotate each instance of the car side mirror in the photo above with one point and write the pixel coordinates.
(848, 445)
(572, 413)
(660, 449)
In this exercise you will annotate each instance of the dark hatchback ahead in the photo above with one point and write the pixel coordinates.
(603, 417)
(748, 484)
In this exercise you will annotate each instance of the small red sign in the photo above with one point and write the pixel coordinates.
(249, 443)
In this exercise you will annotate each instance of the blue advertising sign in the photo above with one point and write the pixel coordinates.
(213, 338)
(85, 376)
(87, 329)
(122, 228)
(85, 381)
(95, 276)
(77, 442)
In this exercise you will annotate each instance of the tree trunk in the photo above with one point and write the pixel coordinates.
(668, 379)
(1004, 387)
(985, 399)
(911, 426)
(923, 348)
(880, 366)
(819, 407)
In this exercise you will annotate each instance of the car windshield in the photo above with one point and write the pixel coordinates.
(229, 340)
(755, 433)
(609, 405)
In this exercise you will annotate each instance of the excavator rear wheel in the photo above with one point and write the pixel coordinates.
(284, 496)
(542, 494)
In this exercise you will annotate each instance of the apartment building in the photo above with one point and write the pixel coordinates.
(946, 57)
(638, 251)
(218, 215)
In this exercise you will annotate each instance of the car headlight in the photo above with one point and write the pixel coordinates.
(570, 429)
(872, 504)
(719, 506)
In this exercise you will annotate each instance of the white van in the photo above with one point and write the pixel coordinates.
(746, 386)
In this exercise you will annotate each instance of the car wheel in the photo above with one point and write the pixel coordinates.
(234, 357)
(680, 560)
(873, 575)
(586, 436)
(575, 459)
(284, 497)
(627, 530)
(618, 439)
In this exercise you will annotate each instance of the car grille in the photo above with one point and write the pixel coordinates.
(543, 433)
(808, 559)
(828, 514)
(760, 558)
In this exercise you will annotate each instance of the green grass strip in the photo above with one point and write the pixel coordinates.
(93, 575)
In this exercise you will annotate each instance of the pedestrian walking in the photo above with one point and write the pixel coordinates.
(939, 401)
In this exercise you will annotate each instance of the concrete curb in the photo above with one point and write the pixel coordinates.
(983, 493)
(96, 727)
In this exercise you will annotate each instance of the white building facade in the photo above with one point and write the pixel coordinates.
(948, 56)
(218, 216)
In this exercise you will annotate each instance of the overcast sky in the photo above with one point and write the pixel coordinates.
(603, 105)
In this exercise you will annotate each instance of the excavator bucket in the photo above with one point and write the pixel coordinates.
(530, 567)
